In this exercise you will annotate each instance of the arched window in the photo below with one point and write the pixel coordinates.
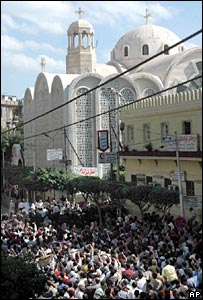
(84, 130)
(148, 92)
(85, 39)
(126, 51)
(75, 40)
(166, 51)
(145, 50)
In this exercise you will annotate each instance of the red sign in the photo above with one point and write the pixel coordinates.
(103, 141)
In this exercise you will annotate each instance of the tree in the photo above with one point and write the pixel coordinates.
(139, 195)
(163, 199)
(118, 192)
(20, 279)
(94, 188)
(8, 139)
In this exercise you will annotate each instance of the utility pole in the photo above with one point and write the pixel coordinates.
(179, 177)
(110, 138)
(118, 140)
(3, 165)
(34, 164)
(117, 95)
(65, 156)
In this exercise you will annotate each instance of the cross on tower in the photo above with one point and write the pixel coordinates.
(43, 64)
(147, 15)
(79, 12)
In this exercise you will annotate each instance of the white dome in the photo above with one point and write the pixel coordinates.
(79, 26)
(154, 37)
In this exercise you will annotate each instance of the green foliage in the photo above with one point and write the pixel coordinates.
(12, 137)
(16, 175)
(44, 179)
(163, 199)
(20, 278)
(139, 195)
(8, 139)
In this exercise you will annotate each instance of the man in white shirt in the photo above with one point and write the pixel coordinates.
(142, 282)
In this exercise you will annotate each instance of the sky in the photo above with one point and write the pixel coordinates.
(34, 29)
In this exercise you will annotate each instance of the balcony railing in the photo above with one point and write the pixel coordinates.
(192, 154)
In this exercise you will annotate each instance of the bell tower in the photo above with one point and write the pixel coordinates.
(81, 56)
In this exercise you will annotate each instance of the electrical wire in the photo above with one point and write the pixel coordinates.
(114, 109)
(111, 79)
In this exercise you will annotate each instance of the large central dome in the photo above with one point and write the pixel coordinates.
(143, 42)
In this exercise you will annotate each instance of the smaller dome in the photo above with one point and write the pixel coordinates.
(80, 25)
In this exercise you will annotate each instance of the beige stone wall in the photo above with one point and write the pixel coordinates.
(173, 109)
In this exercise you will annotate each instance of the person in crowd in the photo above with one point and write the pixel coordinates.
(129, 258)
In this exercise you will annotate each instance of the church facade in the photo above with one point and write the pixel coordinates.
(77, 129)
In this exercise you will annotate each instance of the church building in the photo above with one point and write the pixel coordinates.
(77, 133)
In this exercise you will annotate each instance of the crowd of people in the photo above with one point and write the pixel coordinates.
(129, 257)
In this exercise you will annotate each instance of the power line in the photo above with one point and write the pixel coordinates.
(111, 79)
(115, 109)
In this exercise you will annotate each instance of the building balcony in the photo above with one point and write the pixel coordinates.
(188, 155)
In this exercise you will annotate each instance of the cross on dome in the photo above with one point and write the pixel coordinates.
(147, 15)
(79, 12)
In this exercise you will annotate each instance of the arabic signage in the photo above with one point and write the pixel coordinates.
(103, 141)
(54, 154)
(85, 171)
(186, 142)
(107, 157)
(174, 175)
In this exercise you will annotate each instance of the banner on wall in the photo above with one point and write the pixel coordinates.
(85, 171)
(186, 142)
(54, 154)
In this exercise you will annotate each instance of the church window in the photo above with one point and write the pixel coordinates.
(85, 129)
(109, 121)
(197, 83)
(127, 96)
(199, 66)
(166, 51)
(181, 48)
(126, 51)
(181, 88)
(75, 40)
(145, 50)
(148, 92)
(84, 39)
